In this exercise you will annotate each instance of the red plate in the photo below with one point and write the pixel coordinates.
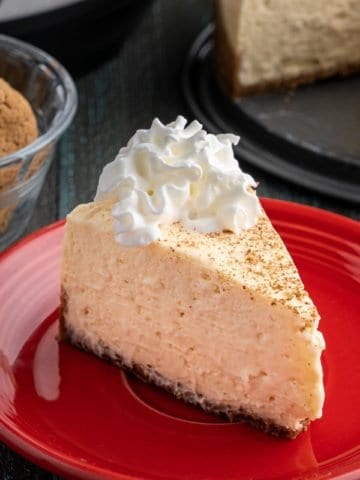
(83, 418)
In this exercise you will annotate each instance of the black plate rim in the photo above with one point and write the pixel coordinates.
(320, 183)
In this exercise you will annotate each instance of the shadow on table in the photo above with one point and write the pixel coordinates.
(81, 36)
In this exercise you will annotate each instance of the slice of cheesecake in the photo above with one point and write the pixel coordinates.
(265, 45)
(219, 319)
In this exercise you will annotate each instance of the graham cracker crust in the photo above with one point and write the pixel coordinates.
(228, 64)
(149, 375)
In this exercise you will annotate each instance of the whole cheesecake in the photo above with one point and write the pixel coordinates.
(210, 307)
(264, 45)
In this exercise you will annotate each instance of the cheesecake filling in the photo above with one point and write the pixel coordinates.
(261, 375)
(206, 334)
(177, 173)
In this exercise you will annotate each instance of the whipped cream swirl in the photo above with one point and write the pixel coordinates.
(173, 173)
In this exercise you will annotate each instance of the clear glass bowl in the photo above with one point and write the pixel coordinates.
(52, 95)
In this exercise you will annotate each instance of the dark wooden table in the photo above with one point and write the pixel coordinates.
(116, 97)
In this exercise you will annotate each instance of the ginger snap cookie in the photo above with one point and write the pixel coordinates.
(18, 128)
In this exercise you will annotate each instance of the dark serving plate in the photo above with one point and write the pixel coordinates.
(309, 136)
